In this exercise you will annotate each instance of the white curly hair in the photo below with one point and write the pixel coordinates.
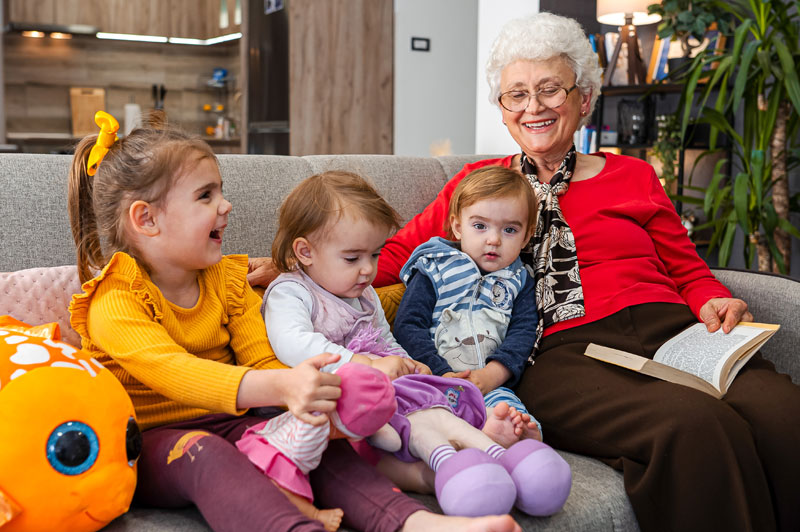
(540, 37)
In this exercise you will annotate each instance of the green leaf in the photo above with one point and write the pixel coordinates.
(744, 73)
(692, 200)
(740, 201)
(712, 191)
(720, 121)
(688, 90)
(739, 38)
(727, 244)
(776, 254)
(787, 226)
(757, 169)
(790, 73)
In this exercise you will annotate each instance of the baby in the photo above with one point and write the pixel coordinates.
(469, 308)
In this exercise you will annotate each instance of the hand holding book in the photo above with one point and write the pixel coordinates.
(697, 358)
(724, 311)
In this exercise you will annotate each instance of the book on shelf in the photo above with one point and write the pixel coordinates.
(705, 361)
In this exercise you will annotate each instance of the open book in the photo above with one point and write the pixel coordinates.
(696, 358)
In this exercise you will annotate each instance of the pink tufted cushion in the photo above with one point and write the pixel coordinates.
(41, 295)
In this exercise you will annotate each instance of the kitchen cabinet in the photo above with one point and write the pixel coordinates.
(197, 19)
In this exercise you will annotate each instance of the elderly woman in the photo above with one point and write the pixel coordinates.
(614, 266)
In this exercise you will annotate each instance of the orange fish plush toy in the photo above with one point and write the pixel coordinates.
(68, 436)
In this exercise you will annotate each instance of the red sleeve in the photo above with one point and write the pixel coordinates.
(425, 225)
(692, 276)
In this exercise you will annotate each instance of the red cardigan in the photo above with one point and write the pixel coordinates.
(632, 248)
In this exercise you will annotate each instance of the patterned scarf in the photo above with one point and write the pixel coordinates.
(559, 295)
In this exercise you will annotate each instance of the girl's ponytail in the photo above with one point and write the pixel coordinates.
(81, 212)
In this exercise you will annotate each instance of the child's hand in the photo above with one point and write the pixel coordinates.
(309, 393)
(394, 366)
(420, 368)
(457, 374)
(490, 377)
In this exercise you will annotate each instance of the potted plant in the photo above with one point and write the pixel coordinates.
(686, 21)
(667, 145)
(755, 78)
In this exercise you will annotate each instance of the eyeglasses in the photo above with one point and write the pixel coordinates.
(517, 100)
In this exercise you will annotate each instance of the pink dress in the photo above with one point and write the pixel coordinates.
(286, 449)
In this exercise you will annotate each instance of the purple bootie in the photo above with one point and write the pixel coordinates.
(473, 484)
(543, 479)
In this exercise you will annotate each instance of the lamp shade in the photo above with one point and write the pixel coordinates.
(612, 12)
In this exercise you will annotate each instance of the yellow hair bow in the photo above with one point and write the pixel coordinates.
(105, 139)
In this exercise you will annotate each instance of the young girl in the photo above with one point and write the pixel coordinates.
(171, 318)
(469, 308)
(331, 230)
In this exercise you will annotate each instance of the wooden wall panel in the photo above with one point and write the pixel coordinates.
(198, 19)
(144, 17)
(42, 11)
(340, 76)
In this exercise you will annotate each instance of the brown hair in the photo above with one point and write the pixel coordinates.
(320, 201)
(141, 166)
(491, 182)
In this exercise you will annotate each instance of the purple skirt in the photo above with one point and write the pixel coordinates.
(420, 392)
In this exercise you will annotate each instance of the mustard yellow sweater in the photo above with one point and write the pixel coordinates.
(175, 363)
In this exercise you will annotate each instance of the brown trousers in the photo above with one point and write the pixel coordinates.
(689, 461)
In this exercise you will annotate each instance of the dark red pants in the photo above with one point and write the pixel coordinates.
(689, 461)
(196, 462)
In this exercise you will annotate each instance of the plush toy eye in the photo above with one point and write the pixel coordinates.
(72, 448)
(133, 441)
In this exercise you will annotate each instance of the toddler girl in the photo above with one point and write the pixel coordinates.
(178, 325)
(469, 308)
(331, 230)
(287, 449)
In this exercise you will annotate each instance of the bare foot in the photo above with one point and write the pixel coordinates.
(431, 522)
(502, 426)
(529, 429)
(330, 518)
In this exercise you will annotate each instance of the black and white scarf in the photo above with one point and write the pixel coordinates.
(551, 253)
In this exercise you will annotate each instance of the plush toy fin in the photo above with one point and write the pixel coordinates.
(9, 509)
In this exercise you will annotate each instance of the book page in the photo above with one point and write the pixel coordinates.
(701, 353)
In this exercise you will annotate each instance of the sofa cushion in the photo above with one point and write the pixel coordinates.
(41, 295)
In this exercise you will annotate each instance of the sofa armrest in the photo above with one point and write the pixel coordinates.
(771, 298)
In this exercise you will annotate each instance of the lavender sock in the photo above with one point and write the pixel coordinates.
(495, 451)
(439, 455)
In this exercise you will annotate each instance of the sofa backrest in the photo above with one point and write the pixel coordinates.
(33, 197)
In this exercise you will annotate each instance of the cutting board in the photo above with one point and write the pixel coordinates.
(85, 102)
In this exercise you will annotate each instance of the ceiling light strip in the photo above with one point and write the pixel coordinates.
(172, 40)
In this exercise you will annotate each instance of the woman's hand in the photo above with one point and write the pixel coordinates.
(261, 271)
(725, 311)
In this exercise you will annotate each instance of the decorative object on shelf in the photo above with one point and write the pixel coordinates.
(667, 145)
(626, 14)
(632, 123)
(755, 78)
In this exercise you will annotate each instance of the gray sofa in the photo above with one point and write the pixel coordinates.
(36, 234)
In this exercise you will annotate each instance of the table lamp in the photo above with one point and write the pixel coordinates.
(626, 14)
